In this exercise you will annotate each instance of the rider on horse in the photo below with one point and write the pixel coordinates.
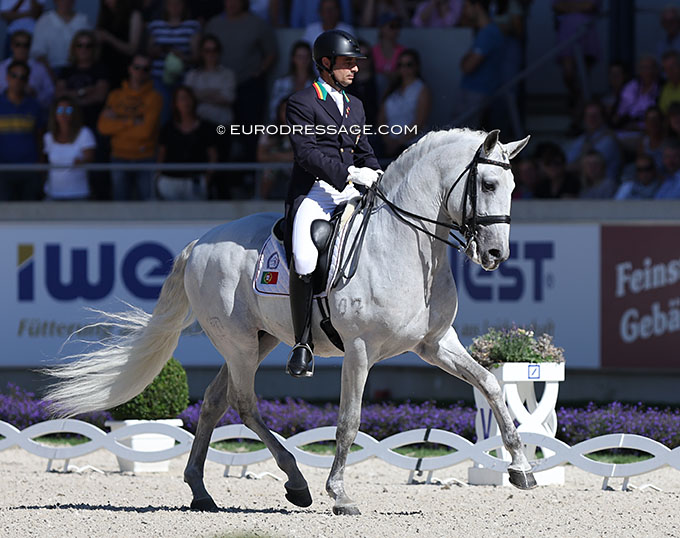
(332, 154)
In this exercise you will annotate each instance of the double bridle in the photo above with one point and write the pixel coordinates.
(467, 229)
(470, 223)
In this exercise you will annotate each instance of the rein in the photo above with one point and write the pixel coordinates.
(468, 228)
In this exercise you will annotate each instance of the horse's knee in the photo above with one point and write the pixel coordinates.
(491, 387)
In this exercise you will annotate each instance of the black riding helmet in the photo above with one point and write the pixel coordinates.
(332, 44)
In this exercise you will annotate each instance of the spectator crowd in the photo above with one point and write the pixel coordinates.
(149, 82)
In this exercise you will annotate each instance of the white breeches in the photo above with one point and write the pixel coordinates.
(319, 204)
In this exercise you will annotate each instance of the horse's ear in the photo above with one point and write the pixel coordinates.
(491, 141)
(513, 148)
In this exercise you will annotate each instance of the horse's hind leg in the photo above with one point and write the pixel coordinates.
(450, 355)
(213, 407)
(242, 398)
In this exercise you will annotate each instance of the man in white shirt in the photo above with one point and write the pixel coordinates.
(53, 34)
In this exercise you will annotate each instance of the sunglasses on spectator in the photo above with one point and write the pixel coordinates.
(84, 45)
(649, 168)
(210, 49)
(406, 64)
(18, 76)
(138, 67)
(67, 110)
(21, 44)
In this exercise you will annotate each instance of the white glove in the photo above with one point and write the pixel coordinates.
(362, 176)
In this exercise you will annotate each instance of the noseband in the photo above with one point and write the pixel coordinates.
(470, 223)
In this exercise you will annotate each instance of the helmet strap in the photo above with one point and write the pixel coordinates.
(330, 72)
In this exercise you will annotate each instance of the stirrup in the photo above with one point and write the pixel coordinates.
(309, 368)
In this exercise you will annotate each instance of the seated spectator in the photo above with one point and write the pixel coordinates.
(19, 15)
(373, 10)
(637, 96)
(597, 136)
(300, 75)
(119, 32)
(85, 79)
(653, 139)
(21, 123)
(185, 139)
(480, 65)
(173, 46)
(365, 86)
(570, 18)
(275, 149)
(329, 19)
(555, 181)
(54, 32)
(215, 89)
(131, 117)
(387, 50)
(595, 183)
(670, 179)
(617, 79)
(645, 183)
(670, 22)
(407, 103)
(438, 13)
(526, 178)
(670, 91)
(40, 84)
(303, 13)
(673, 122)
(67, 142)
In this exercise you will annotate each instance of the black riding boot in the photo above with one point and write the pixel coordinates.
(301, 360)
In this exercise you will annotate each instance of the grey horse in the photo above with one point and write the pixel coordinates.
(402, 298)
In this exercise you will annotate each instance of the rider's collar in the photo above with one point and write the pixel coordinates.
(323, 89)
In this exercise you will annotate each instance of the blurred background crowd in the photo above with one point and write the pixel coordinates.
(150, 81)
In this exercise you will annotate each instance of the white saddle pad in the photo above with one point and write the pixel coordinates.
(272, 273)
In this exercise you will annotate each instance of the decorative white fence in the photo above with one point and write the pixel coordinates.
(370, 447)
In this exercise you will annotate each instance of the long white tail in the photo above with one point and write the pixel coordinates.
(122, 366)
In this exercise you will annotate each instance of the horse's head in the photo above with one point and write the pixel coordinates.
(484, 213)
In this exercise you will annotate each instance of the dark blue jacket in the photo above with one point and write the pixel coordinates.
(331, 143)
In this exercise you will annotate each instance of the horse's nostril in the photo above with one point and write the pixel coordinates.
(495, 253)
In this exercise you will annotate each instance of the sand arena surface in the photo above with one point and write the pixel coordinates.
(34, 502)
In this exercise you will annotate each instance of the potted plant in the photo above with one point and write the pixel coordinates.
(519, 359)
(165, 398)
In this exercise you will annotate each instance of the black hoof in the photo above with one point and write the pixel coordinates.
(348, 510)
(522, 479)
(299, 497)
(204, 505)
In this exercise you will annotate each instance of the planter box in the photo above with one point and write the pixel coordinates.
(145, 442)
(517, 382)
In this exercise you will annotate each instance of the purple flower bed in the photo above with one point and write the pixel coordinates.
(22, 409)
(574, 424)
(378, 420)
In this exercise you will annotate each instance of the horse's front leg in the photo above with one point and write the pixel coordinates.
(450, 355)
(354, 374)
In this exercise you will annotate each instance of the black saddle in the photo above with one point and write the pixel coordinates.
(324, 233)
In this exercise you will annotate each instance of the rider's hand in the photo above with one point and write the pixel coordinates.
(362, 176)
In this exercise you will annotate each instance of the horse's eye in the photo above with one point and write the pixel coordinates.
(488, 186)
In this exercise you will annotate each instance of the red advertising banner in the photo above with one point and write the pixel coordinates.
(640, 283)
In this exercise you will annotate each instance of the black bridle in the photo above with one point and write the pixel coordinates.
(467, 229)
(470, 223)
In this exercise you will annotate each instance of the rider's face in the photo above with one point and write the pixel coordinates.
(344, 70)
